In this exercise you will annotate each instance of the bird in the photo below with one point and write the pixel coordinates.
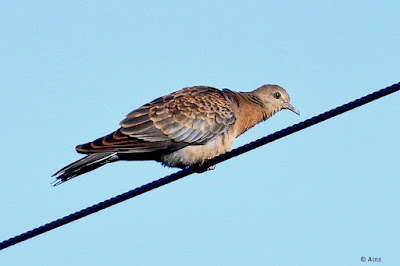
(181, 129)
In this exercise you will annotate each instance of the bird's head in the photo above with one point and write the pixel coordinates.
(274, 98)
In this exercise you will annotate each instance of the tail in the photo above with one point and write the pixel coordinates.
(84, 165)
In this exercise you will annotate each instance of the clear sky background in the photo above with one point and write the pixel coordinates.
(71, 70)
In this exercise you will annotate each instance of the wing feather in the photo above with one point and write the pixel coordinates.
(193, 115)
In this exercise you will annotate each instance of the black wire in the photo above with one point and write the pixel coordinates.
(190, 170)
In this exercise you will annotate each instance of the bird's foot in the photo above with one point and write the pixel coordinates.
(200, 168)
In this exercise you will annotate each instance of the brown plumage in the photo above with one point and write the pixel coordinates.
(181, 129)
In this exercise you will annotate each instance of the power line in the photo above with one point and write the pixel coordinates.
(190, 170)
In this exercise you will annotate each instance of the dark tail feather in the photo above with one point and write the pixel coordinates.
(84, 165)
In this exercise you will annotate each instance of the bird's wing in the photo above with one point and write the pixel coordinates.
(193, 115)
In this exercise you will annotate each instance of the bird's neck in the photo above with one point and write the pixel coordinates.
(250, 110)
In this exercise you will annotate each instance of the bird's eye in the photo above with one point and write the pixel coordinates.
(277, 95)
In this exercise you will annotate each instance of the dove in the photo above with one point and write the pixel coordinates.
(181, 129)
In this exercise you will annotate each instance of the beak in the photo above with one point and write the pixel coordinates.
(291, 108)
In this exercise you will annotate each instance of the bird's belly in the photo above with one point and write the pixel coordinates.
(197, 154)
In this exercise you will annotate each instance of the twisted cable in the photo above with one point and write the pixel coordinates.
(198, 169)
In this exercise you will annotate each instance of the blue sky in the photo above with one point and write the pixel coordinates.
(328, 195)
